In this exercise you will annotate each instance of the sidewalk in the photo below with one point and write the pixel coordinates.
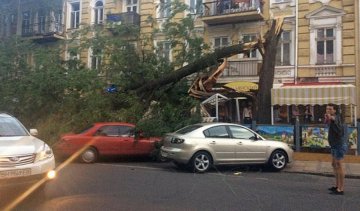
(320, 164)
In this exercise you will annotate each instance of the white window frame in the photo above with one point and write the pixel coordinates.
(316, 24)
(324, 40)
(94, 58)
(27, 22)
(97, 12)
(326, 17)
(222, 38)
(194, 7)
(129, 6)
(41, 21)
(281, 53)
(69, 24)
(160, 13)
(252, 52)
(163, 43)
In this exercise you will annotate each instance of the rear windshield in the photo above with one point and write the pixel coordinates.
(188, 129)
(11, 127)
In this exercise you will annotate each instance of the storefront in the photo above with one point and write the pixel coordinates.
(297, 101)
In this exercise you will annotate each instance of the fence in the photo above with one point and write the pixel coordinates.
(306, 137)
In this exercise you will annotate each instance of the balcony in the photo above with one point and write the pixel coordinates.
(325, 71)
(125, 18)
(232, 11)
(246, 69)
(43, 32)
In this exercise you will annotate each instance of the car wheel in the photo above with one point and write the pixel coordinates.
(278, 160)
(90, 155)
(201, 162)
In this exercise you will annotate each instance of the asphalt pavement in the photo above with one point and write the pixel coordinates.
(320, 164)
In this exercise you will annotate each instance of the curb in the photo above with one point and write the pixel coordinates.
(325, 174)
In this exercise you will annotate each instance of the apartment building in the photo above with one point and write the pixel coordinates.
(320, 41)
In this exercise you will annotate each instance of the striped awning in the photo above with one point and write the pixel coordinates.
(314, 95)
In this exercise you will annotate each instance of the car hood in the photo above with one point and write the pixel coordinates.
(16, 145)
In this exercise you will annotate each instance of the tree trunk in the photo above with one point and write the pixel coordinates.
(204, 62)
(266, 77)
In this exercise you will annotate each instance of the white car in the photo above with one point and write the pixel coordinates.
(23, 157)
(201, 146)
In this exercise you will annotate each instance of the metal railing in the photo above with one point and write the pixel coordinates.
(42, 29)
(223, 7)
(127, 18)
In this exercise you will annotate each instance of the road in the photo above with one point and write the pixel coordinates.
(160, 186)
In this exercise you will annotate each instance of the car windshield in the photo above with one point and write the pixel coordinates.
(188, 129)
(11, 127)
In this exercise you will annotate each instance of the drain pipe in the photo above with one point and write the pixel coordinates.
(296, 42)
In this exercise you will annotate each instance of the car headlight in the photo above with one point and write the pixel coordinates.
(44, 153)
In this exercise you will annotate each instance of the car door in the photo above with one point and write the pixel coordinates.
(247, 147)
(218, 140)
(110, 141)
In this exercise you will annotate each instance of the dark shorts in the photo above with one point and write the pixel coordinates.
(339, 152)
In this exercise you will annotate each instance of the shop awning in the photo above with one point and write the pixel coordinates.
(242, 86)
(314, 94)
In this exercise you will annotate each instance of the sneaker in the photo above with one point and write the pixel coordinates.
(336, 192)
(332, 188)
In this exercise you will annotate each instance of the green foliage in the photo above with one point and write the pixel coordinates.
(59, 96)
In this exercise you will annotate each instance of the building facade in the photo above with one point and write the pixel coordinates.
(320, 41)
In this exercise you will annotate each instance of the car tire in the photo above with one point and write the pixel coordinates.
(277, 160)
(201, 162)
(90, 155)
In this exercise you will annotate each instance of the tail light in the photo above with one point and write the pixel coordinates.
(175, 140)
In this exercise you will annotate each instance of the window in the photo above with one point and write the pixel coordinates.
(195, 6)
(96, 57)
(326, 35)
(188, 129)
(115, 130)
(216, 132)
(131, 5)
(108, 131)
(126, 131)
(41, 21)
(26, 23)
(249, 38)
(99, 12)
(283, 49)
(220, 42)
(241, 133)
(58, 21)
(75, 15)
(325, 43)
(164, 8)
(164, 49)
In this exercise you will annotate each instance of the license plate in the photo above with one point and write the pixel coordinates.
(15, 173)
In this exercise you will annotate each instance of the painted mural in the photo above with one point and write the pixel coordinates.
(283, 133)
(316, 137)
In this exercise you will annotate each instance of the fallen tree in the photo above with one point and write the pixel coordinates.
(267, 48)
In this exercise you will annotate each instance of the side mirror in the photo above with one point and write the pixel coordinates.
(34, 132)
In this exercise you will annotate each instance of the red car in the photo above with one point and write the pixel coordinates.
(106, 139)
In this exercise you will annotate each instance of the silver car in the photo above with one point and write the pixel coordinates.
(23, 157)
(202, 145)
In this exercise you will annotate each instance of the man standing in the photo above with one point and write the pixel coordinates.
(337, 138)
